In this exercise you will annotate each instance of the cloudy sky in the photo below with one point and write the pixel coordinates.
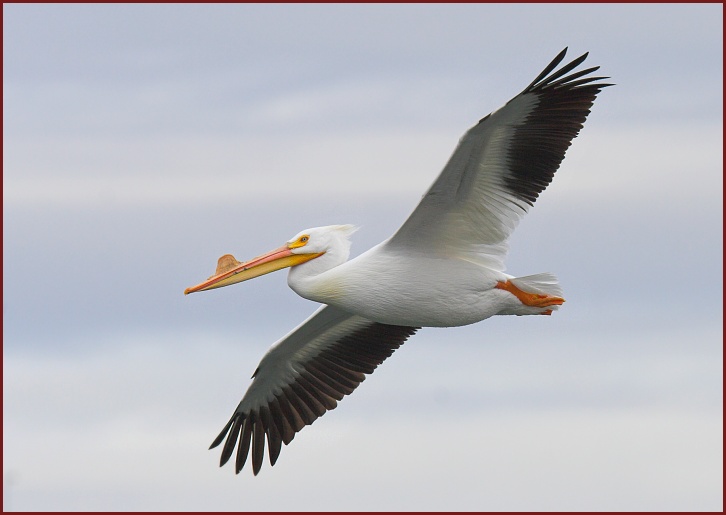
(141, 142)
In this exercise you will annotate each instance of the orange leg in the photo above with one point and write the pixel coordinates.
(537, 300)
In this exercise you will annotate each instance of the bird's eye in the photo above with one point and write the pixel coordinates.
(304, 239)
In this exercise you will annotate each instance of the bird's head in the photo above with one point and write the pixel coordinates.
(330, 241)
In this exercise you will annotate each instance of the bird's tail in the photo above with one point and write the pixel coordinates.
(543, 284)
(538, 294)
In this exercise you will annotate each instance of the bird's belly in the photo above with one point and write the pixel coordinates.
(426, 310)
(428, 293)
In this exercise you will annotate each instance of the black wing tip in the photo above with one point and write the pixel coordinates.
(223, 433)
(238, 428)
(548, 77)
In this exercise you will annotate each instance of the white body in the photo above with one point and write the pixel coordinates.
(415, 290)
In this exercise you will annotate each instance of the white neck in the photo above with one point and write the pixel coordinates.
(313, 279)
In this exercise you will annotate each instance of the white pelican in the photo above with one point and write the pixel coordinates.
(443, 268)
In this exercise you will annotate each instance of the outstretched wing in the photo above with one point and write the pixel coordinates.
(301, 377)
(500, 167)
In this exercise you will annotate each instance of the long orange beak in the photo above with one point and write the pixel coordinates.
(230, 271)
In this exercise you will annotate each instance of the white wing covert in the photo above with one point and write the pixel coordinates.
(499, 168)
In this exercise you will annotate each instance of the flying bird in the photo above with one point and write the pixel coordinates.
(444, 267)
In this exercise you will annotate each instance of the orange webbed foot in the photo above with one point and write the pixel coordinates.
(537, 300)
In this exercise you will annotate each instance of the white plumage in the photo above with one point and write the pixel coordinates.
(444, 267)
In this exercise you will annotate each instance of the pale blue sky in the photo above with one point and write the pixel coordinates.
(141, 142)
